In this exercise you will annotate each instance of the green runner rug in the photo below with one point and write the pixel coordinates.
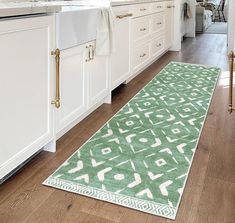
(141, 157)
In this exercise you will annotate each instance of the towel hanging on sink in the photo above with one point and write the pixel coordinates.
(187, 11)
(104, 38)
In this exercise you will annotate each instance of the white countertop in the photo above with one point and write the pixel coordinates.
(26, 8)
(8, 9)
(129, 2)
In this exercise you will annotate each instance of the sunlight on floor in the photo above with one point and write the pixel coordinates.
(224, 79)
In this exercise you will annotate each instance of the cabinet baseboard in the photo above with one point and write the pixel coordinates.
(11, 173)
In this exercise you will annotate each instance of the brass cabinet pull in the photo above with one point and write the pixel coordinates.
(142, 29)
(124, 15)
(231, 57)
(91, 53)
(158, 45)
(143, 9)
(143, 55)
(56, 102)
(159, 23)
(159, 7)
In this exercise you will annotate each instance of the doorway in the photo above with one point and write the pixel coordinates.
(212, 17)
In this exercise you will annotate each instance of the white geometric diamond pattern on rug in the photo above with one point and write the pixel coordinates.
(142, 156)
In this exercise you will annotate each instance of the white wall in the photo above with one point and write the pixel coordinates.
(181, 26)
(191, 23)
(177, 25)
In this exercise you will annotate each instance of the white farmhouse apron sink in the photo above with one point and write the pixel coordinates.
(75, 25)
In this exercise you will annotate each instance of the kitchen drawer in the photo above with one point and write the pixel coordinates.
(141, 27)
(141, 9)
(122, 12)
(157, 22)
(157, 46)
(141, 55)
(157, 7)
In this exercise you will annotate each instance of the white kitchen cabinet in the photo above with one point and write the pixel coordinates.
(142, 33)
(141, 28)
(26, 89)
(141, 9)
(157, 23)
(158, 6)
(72, 85)
(157, 46)
(169, 15)
(120, 60)
(84, 83)
(141, 56)
(98, 77)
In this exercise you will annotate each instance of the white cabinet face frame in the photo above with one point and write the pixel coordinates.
(151, 32)
(169, 16)
(84, 83)
(120, 60)
(73, 86)
(26, 89)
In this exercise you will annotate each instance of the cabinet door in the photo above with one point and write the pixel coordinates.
(72, 86)
(25, 89)
(169, 15)
(98, 77)
(120, 59)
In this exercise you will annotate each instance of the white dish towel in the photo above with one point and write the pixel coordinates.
(104, 38)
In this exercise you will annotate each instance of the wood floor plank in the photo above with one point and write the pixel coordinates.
(29, 170)
(195, 183)
(51, 211)
(131, 215)
(87, 218)
(217, 202)
(32, 193)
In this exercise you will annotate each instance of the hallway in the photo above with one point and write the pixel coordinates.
(209, 195)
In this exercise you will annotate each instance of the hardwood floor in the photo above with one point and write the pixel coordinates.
(209, 196)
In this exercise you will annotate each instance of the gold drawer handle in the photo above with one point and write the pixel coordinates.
(124, 16)
(142, 29)
(231, 57)
(159, 7)
(143, 9)
(91, 53)
(158, 45)
(143, 55)
(56, 102)
(159, 23)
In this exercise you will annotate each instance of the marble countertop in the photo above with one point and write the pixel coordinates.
(8, 9)
(26, 8)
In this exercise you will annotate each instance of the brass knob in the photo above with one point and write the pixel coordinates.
(56, 103)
